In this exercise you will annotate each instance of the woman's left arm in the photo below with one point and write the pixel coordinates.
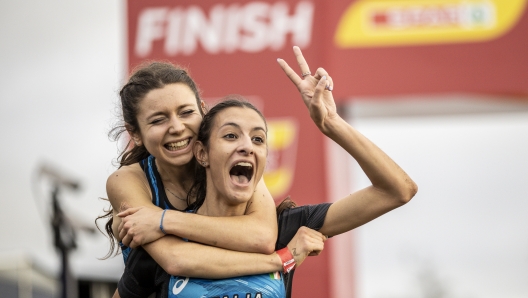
(256, 231)
(391, 186)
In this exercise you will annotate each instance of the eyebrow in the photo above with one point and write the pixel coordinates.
(157, 113)
(154, 114)
(238, 126)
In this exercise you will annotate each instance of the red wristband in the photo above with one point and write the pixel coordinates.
(288, 262)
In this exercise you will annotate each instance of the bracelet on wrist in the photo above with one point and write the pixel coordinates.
(288, 262)
(161, 222)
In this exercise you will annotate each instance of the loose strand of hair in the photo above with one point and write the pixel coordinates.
(109, 233)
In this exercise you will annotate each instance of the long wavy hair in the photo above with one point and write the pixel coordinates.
(145, 78)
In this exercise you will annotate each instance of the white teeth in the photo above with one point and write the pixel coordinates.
(178, 145)
(244, 164)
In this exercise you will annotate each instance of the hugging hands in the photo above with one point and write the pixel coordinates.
(140, 226)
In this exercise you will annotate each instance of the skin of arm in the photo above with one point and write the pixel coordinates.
(254, 232)
(391, 186)
(196, 260)
(260, 221)
(229, 263)
(181, 258)
(127, 187)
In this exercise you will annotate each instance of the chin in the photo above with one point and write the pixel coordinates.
(181, 160)
(238, 198)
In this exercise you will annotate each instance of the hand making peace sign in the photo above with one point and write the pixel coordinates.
(316, 90)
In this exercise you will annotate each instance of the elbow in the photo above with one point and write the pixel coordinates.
(267, 248)
(268, 240)
(265, 244)
(176, 271)
(408, 191)
(177, 267)
(174, 264)
(172, 269)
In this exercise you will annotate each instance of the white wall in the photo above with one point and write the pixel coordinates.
(61, 65)
(465, 232)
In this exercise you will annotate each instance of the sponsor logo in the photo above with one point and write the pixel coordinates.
(179, 285)
(250, 27)
(407, 22)
(282, 151)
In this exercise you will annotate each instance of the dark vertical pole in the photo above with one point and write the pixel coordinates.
(64, 240)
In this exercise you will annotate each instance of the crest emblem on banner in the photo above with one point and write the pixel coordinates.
(282, 154)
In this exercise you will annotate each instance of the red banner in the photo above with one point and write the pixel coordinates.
(232, 47)
(369, 47)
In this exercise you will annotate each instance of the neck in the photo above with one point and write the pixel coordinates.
(218, 204)
(178, 176)
(214, 206)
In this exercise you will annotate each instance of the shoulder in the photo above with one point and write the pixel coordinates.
(131, 172)
(311, 216)
(125, 180)
(291, 219)
(128, 185)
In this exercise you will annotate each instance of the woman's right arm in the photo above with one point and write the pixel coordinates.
(198, 260)
(125, 188)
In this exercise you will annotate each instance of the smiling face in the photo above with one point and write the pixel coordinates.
(169, 120)
(236, 155)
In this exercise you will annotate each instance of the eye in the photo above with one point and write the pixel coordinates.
(258, 140)
(230, 136)
(187, 112)
(156, 121)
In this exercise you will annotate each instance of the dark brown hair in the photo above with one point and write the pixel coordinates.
(287, 203)
(145, 78)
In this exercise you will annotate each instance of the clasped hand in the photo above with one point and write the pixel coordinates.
(139, 226)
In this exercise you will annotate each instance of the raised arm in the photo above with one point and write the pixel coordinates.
(391, 186)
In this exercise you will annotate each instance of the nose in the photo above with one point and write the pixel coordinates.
(176, 125)
(246, 146)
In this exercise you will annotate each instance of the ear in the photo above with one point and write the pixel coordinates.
(203, 107)
(134, 136)
(200, 153)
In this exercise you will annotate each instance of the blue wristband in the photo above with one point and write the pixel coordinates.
(161, 221)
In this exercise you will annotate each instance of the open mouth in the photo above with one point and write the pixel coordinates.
(242, 172)
(177, 145)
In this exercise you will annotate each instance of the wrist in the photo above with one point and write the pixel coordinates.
(287, 261)
(161, 222)
(333, 125)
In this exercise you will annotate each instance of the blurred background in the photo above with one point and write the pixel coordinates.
(441, 86)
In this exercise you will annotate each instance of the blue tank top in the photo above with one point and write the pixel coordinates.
(159, 197)
(248, 286)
